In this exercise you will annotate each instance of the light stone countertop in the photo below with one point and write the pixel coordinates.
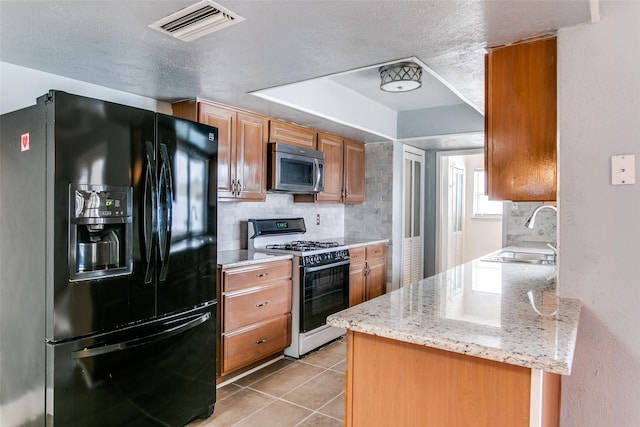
(480, 309)
(355, 242)
(241, 257)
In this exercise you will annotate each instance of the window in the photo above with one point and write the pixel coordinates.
(482, 206)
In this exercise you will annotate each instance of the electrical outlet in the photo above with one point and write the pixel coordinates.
(317, 219)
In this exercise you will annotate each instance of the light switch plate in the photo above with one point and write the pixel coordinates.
(623, 169)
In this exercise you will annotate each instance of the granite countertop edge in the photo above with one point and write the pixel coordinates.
(358, 242)
(527, 340)
(460, 347)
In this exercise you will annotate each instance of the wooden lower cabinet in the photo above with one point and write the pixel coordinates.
(255, 313)
(367, 273)
(357, 269)
(257, 341)
(393, 383)
(376, 273)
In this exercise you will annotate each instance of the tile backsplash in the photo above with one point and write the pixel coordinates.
(514, 230)
(373, 218)
(233, 216)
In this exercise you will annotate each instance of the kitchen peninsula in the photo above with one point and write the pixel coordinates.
(464, 347)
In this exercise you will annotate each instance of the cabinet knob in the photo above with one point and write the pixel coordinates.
(262, 341)
(262, 275)
(262, 304)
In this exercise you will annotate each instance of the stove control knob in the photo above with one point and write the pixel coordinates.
(318, 259)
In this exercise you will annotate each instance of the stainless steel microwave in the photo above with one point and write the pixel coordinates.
(294, 169)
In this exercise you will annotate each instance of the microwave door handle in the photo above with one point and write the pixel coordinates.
(318, 181)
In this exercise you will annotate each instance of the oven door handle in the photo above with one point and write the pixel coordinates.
(326, 266)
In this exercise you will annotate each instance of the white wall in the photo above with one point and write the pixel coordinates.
(599, 225)
(20, 86)
(480, 235)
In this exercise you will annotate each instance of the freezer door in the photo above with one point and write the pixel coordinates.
(158, 374)
(187, 217)
(96, 144)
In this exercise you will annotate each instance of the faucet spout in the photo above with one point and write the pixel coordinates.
(532, 219)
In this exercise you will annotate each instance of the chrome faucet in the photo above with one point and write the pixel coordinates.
(532, 219)
(529, 224)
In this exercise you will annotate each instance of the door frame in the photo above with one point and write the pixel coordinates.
(441, 179)
(417, 155)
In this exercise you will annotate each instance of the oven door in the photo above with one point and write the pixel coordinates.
(324, 291)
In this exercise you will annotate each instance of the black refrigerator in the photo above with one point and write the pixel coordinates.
(107, 265)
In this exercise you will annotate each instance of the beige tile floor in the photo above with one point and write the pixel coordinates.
(301, 393)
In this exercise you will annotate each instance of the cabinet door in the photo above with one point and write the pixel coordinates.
(354, 158)
(331, 146)
(376, 284)
(224, 120)
(292, 134)
(520, 121)
(356, 284)
(251, 146)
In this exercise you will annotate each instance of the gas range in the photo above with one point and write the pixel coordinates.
(311, 252)
(320, 279)
(286, 236)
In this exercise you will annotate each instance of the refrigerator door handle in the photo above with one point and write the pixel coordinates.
(149, 339)
(149, 232)
(165, 230)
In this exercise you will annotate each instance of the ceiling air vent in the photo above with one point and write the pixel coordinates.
(196, 21)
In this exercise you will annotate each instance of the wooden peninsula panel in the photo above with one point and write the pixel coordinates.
(394, 383)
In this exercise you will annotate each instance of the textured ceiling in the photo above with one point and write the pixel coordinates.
(110, 44)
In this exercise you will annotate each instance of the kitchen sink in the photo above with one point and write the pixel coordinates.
(523, 257)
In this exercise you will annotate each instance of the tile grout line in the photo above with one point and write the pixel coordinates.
(281, 398)
(276, 398)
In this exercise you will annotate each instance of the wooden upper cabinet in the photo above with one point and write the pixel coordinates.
(332, 147)
(521, 121)
(224, 119)
(242, 148)
(251, 156)
(292, 134)
(353, 172)
(343, 171)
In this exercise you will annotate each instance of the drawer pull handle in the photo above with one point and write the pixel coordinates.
(262, 341)
(262, 304)
(262, 275)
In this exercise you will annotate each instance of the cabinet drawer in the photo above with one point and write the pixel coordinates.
(357, 255)
(244, 308)
(376, 251)
(245, 277)
(251, 344)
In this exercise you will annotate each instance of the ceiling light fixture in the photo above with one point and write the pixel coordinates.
(400, 77)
